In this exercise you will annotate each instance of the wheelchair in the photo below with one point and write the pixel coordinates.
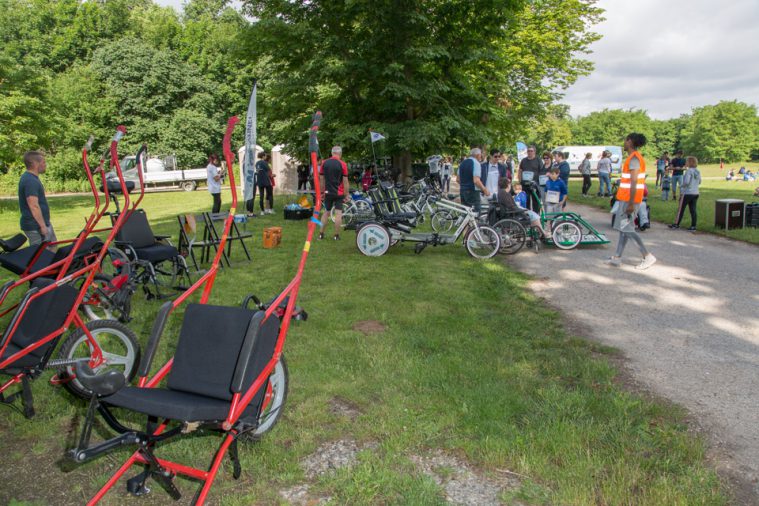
(227, 376)
(514, 229)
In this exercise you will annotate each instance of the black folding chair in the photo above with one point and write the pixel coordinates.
(234, 234)
(188, 239)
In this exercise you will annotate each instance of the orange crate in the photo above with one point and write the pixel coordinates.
(272, 237)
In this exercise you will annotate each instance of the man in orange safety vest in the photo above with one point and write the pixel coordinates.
(629, 196)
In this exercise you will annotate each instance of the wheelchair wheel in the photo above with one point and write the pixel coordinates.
(442, 221)
(273, 404)
(513, 235)
(118, 344)
(166, 273)
(373, 239)
(482, 242)
(100, 301)
(566, 234)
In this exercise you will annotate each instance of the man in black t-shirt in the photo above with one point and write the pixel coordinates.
(529, 171)
(677, 164)
(334, 180)
(35, 213)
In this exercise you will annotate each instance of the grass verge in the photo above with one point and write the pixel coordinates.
(469, 363)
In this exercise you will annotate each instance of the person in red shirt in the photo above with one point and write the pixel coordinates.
(333, 175)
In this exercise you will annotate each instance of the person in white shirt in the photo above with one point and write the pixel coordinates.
(214, 182)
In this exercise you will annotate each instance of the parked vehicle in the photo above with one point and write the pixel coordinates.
(161, 171)
(576, 154)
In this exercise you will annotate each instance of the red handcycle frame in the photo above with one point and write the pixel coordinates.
(240, 401)
(63, 277)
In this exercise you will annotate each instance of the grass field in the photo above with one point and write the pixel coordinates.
(469, 363)
(713, 187)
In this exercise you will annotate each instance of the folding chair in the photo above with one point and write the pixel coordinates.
(188, 241)
(234, 235)
(159, 262)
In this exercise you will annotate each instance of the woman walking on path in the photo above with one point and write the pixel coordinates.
(688, 193)
(629, 195)
(585, 171)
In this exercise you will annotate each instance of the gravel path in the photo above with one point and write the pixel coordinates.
(689, 325)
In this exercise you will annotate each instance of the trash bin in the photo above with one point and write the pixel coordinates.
(729, 213)
(752, 214)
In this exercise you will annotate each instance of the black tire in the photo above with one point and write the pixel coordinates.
(513, 236)
(373, 239)
(189, 186)
(566, 234)
(486, 246)
(271, 412)
(76, 346)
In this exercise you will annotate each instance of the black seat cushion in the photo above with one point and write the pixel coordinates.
(17, 261)
(44, 315)
(13, 243)
(115, 187)
(156, 253)
(199, 384)
(136, 230)
(89, 246)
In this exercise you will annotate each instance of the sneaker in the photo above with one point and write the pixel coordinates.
(336, 238)
(674, 226)
(321, 235)
(613, 261)
(692, 229)
(646, 263)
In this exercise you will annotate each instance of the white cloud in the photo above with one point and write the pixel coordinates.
(669, 56)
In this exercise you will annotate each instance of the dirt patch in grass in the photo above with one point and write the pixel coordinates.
(369, 327)
(344, 407)
(462, 483)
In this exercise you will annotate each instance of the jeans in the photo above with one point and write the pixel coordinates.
(586, 184)
(216, 203)
(659, 177)
(265, 192)
(446, 183)
(690, 201)
(471, 198)
(604, 178)
(665, 194)
(677, 181)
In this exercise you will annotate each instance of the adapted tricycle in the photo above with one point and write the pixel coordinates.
(568, 229)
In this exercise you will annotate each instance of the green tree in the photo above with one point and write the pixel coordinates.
(611, 126)
(430, 74)
(727, 131)
(551, 130)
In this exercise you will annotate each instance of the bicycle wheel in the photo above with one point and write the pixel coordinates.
(442, 221)
(482, 242)
(117, 343)
(97, 304)
(350, 212)
(513, 235)
(273, 403)
(566, 234)
(373, 239)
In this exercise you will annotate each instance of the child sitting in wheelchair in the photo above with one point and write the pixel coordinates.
(508, 207)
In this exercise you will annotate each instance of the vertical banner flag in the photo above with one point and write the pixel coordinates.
(249, 164)
(521, 151)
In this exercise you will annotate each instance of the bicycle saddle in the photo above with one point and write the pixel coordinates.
(103, 384)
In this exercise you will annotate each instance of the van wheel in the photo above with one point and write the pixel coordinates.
(189, 186)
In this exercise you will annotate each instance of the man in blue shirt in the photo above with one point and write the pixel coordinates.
(35, 213)
(470, 182)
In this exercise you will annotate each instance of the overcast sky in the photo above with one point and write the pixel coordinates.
(668, 56)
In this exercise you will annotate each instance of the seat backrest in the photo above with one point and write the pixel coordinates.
(392, 195)
(89, 246)
(136, 230)
(378, 199)
(43, 315)
(210, 343)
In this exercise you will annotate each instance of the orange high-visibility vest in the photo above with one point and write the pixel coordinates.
(623, 194)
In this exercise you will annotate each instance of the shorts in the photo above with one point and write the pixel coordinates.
(625, 222)
(552, 208)
(36, 238)
(333, 202)
(532, 215)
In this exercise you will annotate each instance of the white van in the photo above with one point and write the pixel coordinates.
(576, 154)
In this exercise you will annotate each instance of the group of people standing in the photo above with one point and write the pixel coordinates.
(263, 183)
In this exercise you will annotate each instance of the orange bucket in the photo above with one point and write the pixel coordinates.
(272, 237)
